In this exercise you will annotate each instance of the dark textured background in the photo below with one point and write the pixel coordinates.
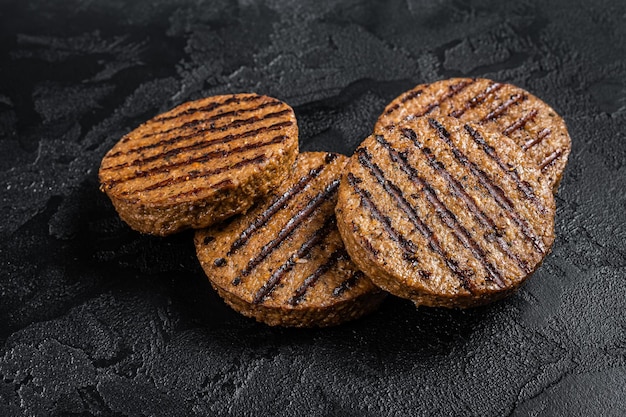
(96, 319)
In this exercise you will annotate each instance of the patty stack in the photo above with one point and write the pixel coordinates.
(448, 203)
(267, 235)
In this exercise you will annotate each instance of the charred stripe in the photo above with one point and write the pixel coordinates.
(310, 281)
(504, 245)
(202, 144)
(448, 218)
(549, 160)
(523, 186)
(199, 174)
(476, 100)
(192, 134)
(279, 203)
(200, 159)
(227, 183)
(499, 111)
(496, 192)
(304, 249)
(289, 228)
(408, 247)
(210, 121)
(534, 141)
(458, 191)
(223, 184)
(520, 123)
(210, 106)
(348, 283)
(408, 96)
(453, 90)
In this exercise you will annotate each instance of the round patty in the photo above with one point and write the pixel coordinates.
(444, 213)
(536, 128)
(283, 262)
(201, 162)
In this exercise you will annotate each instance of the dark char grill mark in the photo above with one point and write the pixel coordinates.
(227, 183)
(541, 136)
(524, 187)
(496, 192)
(218, 185)
(365, 160)
(476, 100)
(304, 249)
(368, 245)
(210, 107)
(408, 247)
(453, 90)
(366, 200)
(194, 145)
(549, 160)
(348, 283)
(408, 96)
(200, 174)
(206, 144)
(310, 281)
(200, 159)
(448, 218)
(499, 111)
(458, 190)
(277, 205)
(520, 123)
(289, 228)
(210, 121)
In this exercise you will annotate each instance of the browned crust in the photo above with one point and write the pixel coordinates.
(440, 230)
(200, 163)
(283, 262)
(374, 269)
(536, 128)
(337, 313)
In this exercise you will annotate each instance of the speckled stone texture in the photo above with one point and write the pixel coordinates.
(96, 319)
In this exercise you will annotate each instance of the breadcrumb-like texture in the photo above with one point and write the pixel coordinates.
(284, 262)
(444, 213)
(200, 163)
(535, 126)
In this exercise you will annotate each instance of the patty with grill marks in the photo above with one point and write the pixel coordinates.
(200, 162)
(283, 263)
(444, 213)
(536, 128)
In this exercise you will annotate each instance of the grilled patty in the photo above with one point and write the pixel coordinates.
(536, 128)
(201, 162)
(283, 262)
(444, 213)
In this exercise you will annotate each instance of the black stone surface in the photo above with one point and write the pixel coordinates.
(96, 319)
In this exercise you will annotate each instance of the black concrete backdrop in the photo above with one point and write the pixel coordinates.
(96, 319)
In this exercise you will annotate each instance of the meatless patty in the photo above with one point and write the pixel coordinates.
(536, 128)
(283, 262)
(444, 213)
(201, 162)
